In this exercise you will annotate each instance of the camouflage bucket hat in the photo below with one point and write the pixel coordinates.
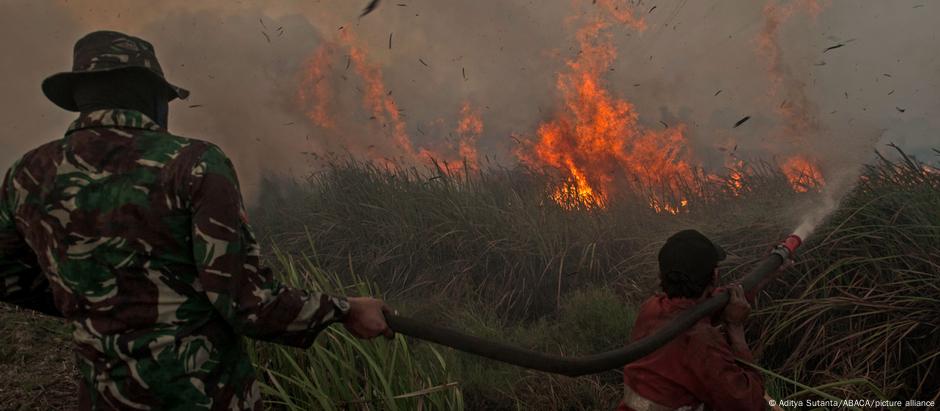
(104, 51)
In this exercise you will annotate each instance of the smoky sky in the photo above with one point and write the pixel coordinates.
(243, 62)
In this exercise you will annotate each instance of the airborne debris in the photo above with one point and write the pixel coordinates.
(833, 47)
(288, 124)
(425, 64)
(420, 131)
(369, 8)
(195, 105)
(891, 92)
(390, 40)
(463, 70)
(741, 121)
(900, 109)
(664, 124)
(266, 37)
(886, 75)
(717, 92)
(651, 10)
(821, 63)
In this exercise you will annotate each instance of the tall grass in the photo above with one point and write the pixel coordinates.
(489, 252)
(341, 372)
(864, 300)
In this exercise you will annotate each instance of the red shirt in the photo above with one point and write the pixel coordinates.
(696, 367)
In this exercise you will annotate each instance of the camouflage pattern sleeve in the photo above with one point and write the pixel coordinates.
(22, 282)
(227, 259)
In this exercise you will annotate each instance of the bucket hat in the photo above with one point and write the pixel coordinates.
(106, 51)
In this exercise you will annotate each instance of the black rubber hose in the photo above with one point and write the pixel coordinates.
(592, 364)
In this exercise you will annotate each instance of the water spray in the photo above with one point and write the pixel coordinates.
(592, 364)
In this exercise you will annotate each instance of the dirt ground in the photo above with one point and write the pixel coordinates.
(37, 370)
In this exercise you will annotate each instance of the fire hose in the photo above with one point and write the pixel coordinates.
(592, 364)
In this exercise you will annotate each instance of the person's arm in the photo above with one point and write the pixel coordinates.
(246, 294)
(733, 316)
(22, 282)
(726, 385)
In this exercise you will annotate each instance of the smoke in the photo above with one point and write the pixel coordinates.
(836, 188)
(247, 64)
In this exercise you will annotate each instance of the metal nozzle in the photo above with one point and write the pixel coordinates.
(786, 249)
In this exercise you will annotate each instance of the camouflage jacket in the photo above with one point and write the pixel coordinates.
(141, 239)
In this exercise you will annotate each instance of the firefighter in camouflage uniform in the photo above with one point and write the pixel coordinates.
(139, 238)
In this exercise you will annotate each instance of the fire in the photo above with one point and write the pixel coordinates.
(620, 12)
(469, 129)
(798, 113)
(596, 139)
(318, 98)
(788, 91)
(663, 207)
(802, 173)
(576, 192)
(735, 180)
(315, 89)
(376, 97)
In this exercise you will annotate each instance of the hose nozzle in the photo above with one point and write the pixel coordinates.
(788, 246)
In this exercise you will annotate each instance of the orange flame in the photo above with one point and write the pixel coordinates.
(802, 173)
(469, 129)
(376, 97)
(316, 94)
(735, 180)
(798, 112)
(315, 89)
(796, 109)
(596, 139)
(620, 12)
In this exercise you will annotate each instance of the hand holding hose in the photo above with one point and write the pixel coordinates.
(738, 309)
(366, 318)
(734, 315)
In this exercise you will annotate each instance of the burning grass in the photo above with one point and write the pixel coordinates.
(490, 252)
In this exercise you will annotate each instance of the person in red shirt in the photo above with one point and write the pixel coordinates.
(697, 369)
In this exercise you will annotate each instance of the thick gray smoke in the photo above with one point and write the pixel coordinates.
(244, 63)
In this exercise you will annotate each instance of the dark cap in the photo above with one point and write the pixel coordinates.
(690, 252)
(105, 51)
